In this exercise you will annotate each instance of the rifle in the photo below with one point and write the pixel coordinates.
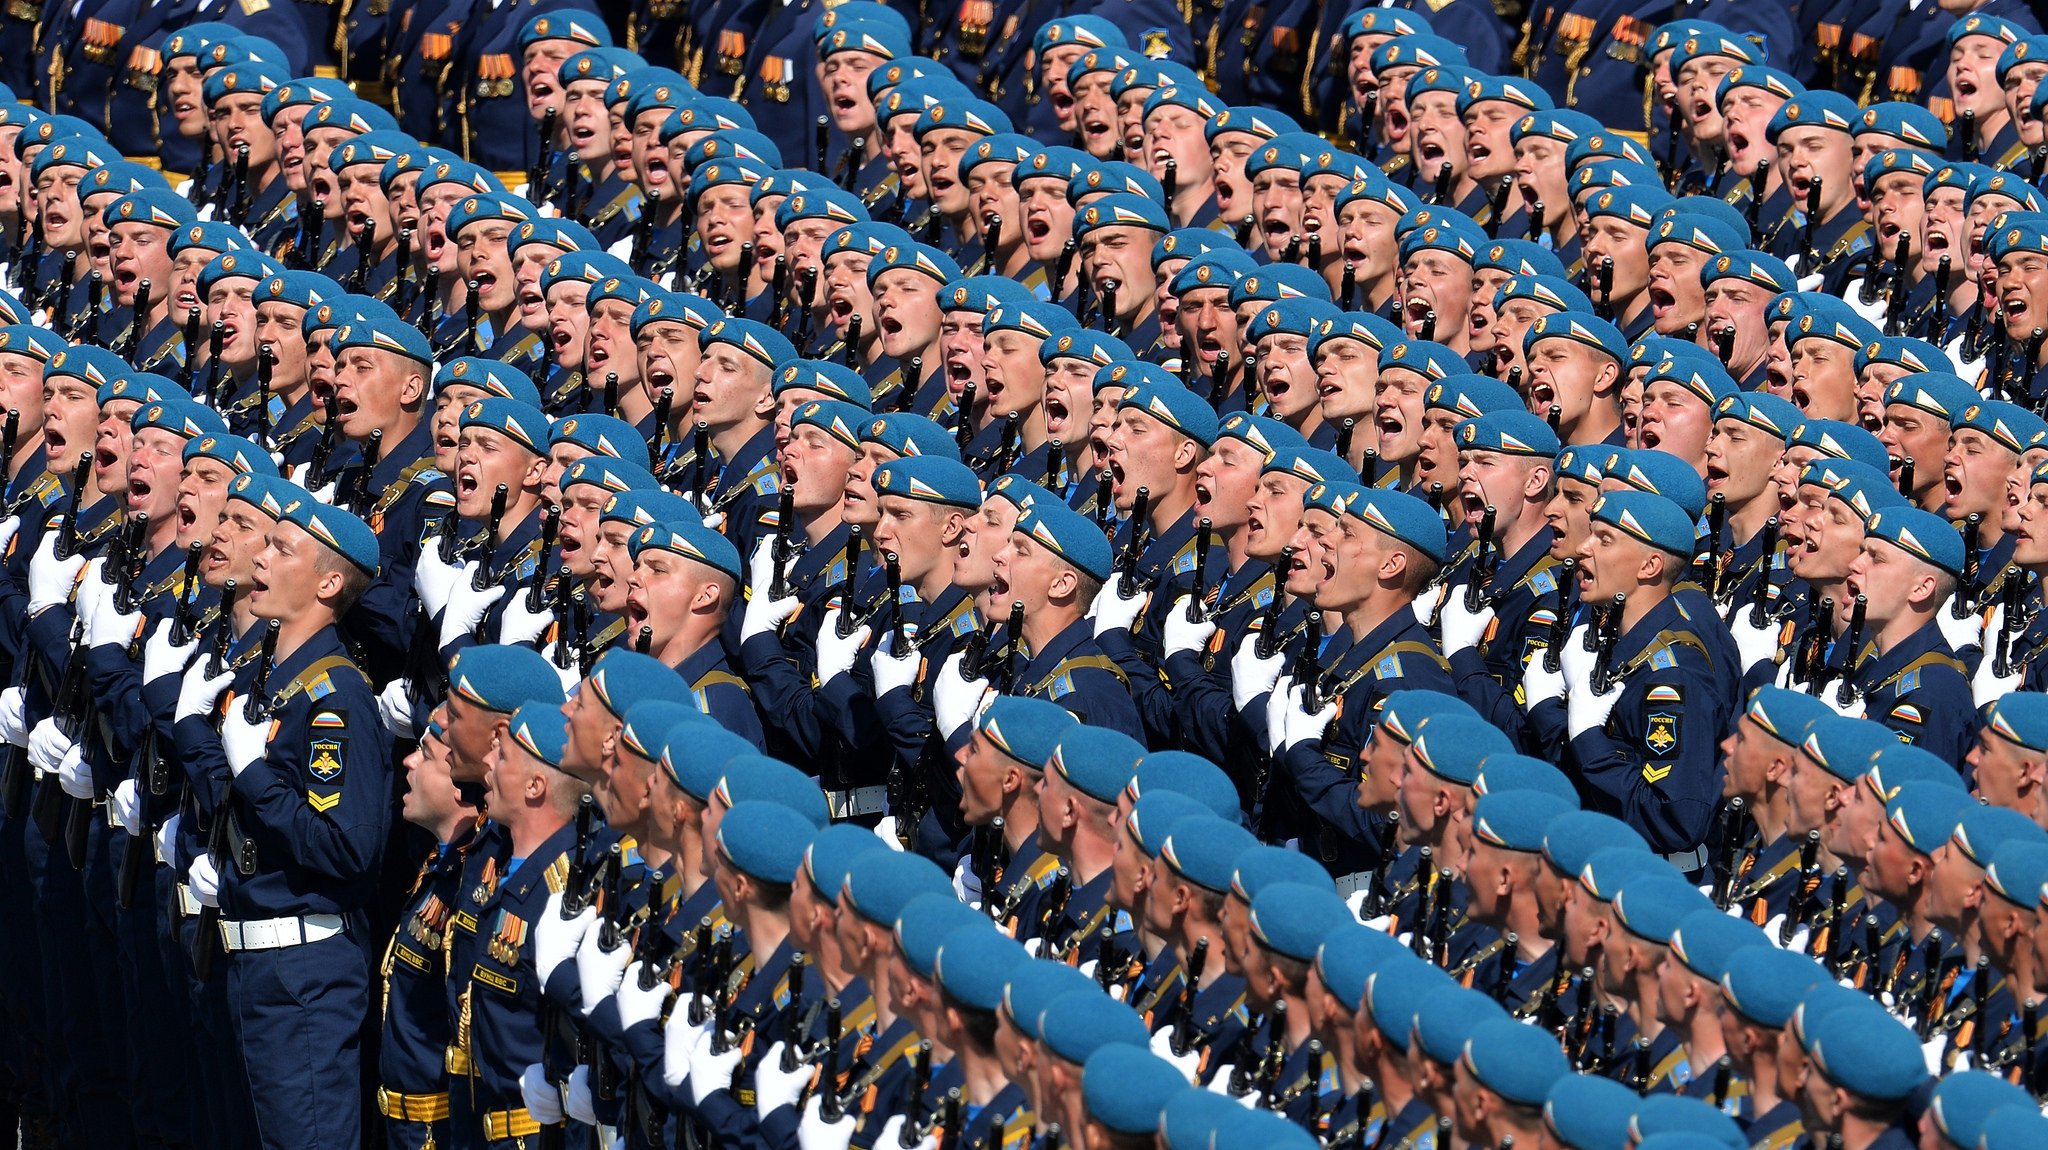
(471, 306)
(1055, 465)
(1061, 267)
(257, 706)
(1966, 122)
(223, 630)
(1440, 195)
(402, 301)
(1308, 669)
(1808, 254)
(1607, 634)
(1269, 637)
(1802, 894)
(1428, 330)
(1942, 317)
(1732, 828)
(1312, 254)
(95, 300)
(1219, 377)
(213, 363)
(181, 622)
(1717, 527)
(1484, 559)
(487, 539)
(1567, 606)
(312, 231)
(537, 176)
(1499, 203)
(1851, 656)
(366, 256)
(1183, 1023)
(359, 491)
(1344, 433)
(1760, 593)
(1369, 467)
(550, 530)
(1603, 279)
(894, 573)
(1127, 560)
(1109, 317)
(430, 308)
(700, 449)
(1895, 290)
(783, 550)
(1906, 477)
(1006, 445)
(1198, 600)
(856, 540)
(191, 363)
(963, 428)
(1810, 665)
(2009, 626)
(330, 433)
(266, 366)
(66, 276)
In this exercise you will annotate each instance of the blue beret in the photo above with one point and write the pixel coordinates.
(970, 115)
(235, 452)
(1449, 1019)
(1508, 773)
(1017, 491)
(1637, 205)
(1783, 714)
(756, 340)
(179, 416)
(1121, 209)
(691, 540)
(233, 265)
(1590, 1113)
(1839, 440)
(603, 435)
(1349, 955)
(1896, 764)
(1924, 815)
(2019, 873)
(1468, 395)
(1581, 328)
(538, 729)
(1070, 535)
(2014, 1127)
(575, 24)
(1760, 410)
(1935, 392)
(341, 532)
(1518, 258)
(258, 491)
(924, 259)
(499, 678)
(765, 840)
(1610, 867)
(522, 423)
(1865, 1051)
(1447, 78)
(158, 207)
(613, 475)
(2011, 426)
(758, 777)
(1404, 517)
(694, 753)
(1765, 984)
(1193, 1118)
(1697, 373)
(490, 376)
(1652, 905)
(1188, 774)
(1843, 747)
(1707, 39)
(1706, 939)
(622, 678)
(1984, 24)
(1127, 1088)
(1262, 866)
(1154, 816)
(1385, 22)
(1923, 535)
(1660, 473)
(378, 334)
(1205, 852)
(650, 721)
(1294, 918)
(1451, 747)
(1756, 267)
(1981, 831)
(1516, 820)
(1518, 1062)
(1416, 50)
(1034, 986)
(1647, 518)
(1078, 1024)
(1403, 713)
(929, 479)
(2021, 718)
(1963, 1101)
(1258, 1129)
(1442, 231)
(1553, 292)
(1508, 432)
(1096, 761)
(1310, 465)
(1001, 148)
(486, 207)
(1277, 281)
(836, 418)
(925, 924)
(1825, 317)
(866, 35)
(832, 852)
(1664, 1116)
(1916, 125)
(974, 964)
(1087, 344)
(878, 885)
(1815, 109)
(1025, 729)
(1400, 992)
(1511, 89)
(714, 114)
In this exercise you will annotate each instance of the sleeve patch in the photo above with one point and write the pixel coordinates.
(1908, 712)
(1662, 694)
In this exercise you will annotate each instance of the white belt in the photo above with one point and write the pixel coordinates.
(276, 933)
(1358, 880)
(1690, 861)
(857, 802)
(188, 906)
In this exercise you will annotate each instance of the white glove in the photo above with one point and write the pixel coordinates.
(109, 625)
(711, 1071)
(1987, 685)
(814, 1133)
(543, 1099)
(1575, 662)
(127, 804)
(1754, 645)
(576, 1100)
(50, 579)
(714, 519)
(678, 1039)
(1182, 635)
(1114, 612)
(1853, 709)
(243, 742)
(394, 708)
(1187, 1064)
(1276, 712)
(773, 1088)
(14, 716)
(555, 938)
(204, 881)
(9, 528)
(1425, 604)
(764, 613)
(1586, 711)
(836, 655)
(1539, 683)
(637, 1005)
(46, 746)
(166, 836)
(1251, 674)
(955, 700)
(1967, 631)
(890, 670)
(73, 775)
(1462, 627)
(600, 970)
(466, 609)
(435, 580)
(1799, 934)
(327, 491)
(200, 694)
(1298, 723)
(162, 657)
(892, 1135)
(518, 626)
(92, 588)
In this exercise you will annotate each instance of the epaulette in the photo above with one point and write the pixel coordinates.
(557, 874)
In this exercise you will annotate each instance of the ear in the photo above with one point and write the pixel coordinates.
(1537, 484)
(536, 477)
(1063, 587)
(1187, 454)
(1609, 380)
(412, 388)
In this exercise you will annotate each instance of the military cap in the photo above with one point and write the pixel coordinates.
(1962, 1101)
(1936, 392)
(604, 65)
(520, 422)
(1416, 50)
(1765, 984)
(1121, 209)
(300, 289)
(1698, 375)
(1035, 318)
(1469, 395)
(929, 479)
(341, 532)
(196, 39)
(1984, 24)
(1651, 905)
(1145, 74)
(1507, 89)
(648, 723)
(1095, 761)
(1206, 851)
(485, 207)
(1651, 519)
(1815, 109)
(1154, 816)
(456, 172)
(1257, 1129)
(2019, 873)
(1452, 746)
(1127, 1088)
(33, 342)
(2014, 1127)
(1659, 473)
(1918, 126)
(1171, 404)
(1185, 773)
(622, 678)
(1923, 535)
(1397, 514)
(1399, 993)
(1025, 729)
(1571, 839)
(1452, 79)
(1384, 22)
(978, 117)
(1449, 1019)
(1442, 231)
(980, 293)
(180, 416)
(1404, 713)
(1898, 763)
(1310, 465)
(1373, 186)
(1866, 489)
(765, 840)
(974, 963)
(1924, 815)
(2011, 426)
(99, 367)
(348, 114)
(1082, 1022)
(1697, 230)
(1705, 39)
(880, 884)
(1505, 773)
(1293, 918)
(1295, 315)
(1982, 831)
(687, 308)
(1637, 205)
(605, 435)
(1756, 267)
(2020, 718)
(692, 540)
(786, 182)
(239, 265)
(1277, 281)
(1783, 714)
(1587, 1112)
(829, 380)
(1034, 986)
(1899, 161)
(1561, 124)
(11, 309)
(694, 754)
(1960, 176)
(831, 851)
(1864, 1050)
(158, 207)
(1349, 955)
(925, 924)
(572, 24)
(1838, 440)
(838, 419)
(1221, 269)
(1262, 866)
(1609, 867)
(1087, 344)
(1554, 292)
(379, 147)
(895, 72)
(756, 340)
(259, 491)
(1084, 31)
(1193, 1118)
(1018, 491)
(1516, 820)
(1843, 747)
(759, 777)
(232, 451)
(875, 37)
(1706, 939)
(1666, 1116)
(378, 332)
(117, 178)
(1581, 328)
(1517, 258)
(716, 114)
(1520, 1063)
(641, 506)
(1761, 77)
(650, 89)
(490, 376)
(1373, 330)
